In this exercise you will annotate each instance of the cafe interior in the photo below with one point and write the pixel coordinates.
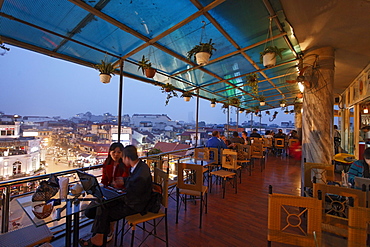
(315, 67)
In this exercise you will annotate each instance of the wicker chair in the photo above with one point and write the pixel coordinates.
(358, 226)
(284, 210)
(190, 182)
(228, 162)
(257, 152)
(336, 202)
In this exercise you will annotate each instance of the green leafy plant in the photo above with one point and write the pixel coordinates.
(213, 101)
(252, 80)
(272, 49)
(234, 101)
(105, 68)
(261, 98)
(282, 102)
(186, 94)
(225, 106)
(144, 64)
(169, 90)
(202, 47)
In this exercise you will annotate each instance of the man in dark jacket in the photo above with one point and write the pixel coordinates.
(138, 191)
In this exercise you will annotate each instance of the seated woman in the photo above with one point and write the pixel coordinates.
(114, 170)
(360, 168)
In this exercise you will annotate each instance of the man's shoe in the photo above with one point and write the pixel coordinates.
(110, 236)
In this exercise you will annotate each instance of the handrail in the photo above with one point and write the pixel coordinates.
(8, 184)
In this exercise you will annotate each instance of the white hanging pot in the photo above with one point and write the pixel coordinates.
(187, 99)
(269, 59)
(213, 104)
(262, 103)
(105, 78)
(202, 58)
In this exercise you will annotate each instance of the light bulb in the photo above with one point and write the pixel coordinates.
(366, 110)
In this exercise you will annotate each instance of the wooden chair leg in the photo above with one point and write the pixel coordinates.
(177, 205)
(201, 210)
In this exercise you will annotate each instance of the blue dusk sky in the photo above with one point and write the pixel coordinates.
(34, 84)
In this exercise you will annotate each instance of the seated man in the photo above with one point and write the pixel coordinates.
(236, 138)
(360, 168)
(138, 192)
(215, 142)
(280, 134)
(255, 134)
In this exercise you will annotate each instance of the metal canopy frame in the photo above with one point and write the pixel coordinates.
(239, 29)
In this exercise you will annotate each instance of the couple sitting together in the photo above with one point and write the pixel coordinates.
(123, 170)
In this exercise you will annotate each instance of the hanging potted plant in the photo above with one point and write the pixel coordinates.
(187, 96)
(282, 103)
(262, 99)
(202, 52)
(252, 80)
(234, 101)
(170, 91)
(146, 66)
(213, 102)
(225, 107)
(106, 71)
(268, 55)
(241, 110)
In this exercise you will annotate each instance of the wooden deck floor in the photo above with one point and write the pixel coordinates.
(239, 219)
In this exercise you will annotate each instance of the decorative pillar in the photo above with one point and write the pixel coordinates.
(318, 113)
(298, 119)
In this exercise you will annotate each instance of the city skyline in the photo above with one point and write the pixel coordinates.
(35, 84)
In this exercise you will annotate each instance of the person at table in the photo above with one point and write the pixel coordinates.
(215, 141)
(268, 134)
(360, 168)
(280, 134)
(245, 137)
(236, 138)
(255, 134)
(138, 188)
(114, 170)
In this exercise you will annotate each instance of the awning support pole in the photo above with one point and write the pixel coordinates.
(120, 99)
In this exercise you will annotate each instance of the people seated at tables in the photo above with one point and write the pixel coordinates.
(245, 137)
(268, 134)
(236, 138)
(216, 142)
(223, 138)
(138, 188)
(280, 134)
(360, 168)
(255, 134)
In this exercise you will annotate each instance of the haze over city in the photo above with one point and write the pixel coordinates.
(35, 84)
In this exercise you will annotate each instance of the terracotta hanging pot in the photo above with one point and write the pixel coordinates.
(150, 73)
(202, 58)
(269, 59)
(105, 78)
(300, 95)
(187, 99)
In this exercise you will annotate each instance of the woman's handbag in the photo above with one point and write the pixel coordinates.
(46, 189)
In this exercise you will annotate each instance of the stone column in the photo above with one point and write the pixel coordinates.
(318, 113)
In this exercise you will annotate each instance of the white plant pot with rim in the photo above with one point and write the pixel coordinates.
(187, 99)
(202, 58)
(269, 59)
(105, 78)
(213, 104)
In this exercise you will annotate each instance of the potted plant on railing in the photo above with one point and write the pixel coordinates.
(252, 80)
(106, 71)
(170, 91)
(146, 66)
(262, 99)
(213, 102)
(268, 55)
(202, 52)
(187, 96)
